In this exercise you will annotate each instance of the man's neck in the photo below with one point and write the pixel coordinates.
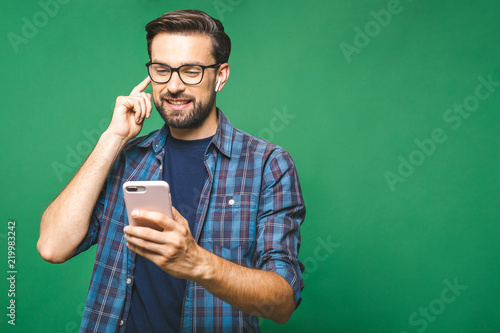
(208, 128)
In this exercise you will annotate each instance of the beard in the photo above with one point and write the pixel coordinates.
(185, 119)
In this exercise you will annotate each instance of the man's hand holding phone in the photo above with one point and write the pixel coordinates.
(158, 232)
(130, 111)
(174, 249)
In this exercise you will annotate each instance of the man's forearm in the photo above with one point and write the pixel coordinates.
(255, 292)
(66, 220)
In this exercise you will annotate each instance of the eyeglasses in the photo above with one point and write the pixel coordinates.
(189, 74)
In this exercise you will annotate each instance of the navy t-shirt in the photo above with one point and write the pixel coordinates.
(157, 296)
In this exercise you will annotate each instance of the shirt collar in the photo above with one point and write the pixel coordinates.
(224, 135)
(222, 138)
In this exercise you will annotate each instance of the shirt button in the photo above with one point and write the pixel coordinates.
(231, 202)
(161, 167)
(129, 280)
(121, 322)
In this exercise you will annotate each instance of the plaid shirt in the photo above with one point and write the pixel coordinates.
(250, 212)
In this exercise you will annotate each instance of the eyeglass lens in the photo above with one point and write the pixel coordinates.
(190, 74)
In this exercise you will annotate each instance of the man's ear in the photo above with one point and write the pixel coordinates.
(222, 76)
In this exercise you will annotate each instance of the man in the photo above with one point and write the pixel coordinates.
(229, 255)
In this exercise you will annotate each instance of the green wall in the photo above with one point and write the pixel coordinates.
(390, 122)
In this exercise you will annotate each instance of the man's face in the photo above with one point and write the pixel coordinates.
(180, 105)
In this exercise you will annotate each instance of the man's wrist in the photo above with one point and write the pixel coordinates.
(112, 140)
(207, 268)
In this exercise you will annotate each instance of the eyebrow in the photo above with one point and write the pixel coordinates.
(195, 62)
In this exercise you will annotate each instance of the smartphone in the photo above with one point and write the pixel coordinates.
(153, 195)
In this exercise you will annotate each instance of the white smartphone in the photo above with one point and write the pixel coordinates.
(153, 195)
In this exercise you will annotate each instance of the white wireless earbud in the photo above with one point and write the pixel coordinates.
(217, 85)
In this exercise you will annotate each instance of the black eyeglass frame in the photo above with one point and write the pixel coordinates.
(173, 70)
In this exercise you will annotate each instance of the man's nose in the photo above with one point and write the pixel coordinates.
(175, 84)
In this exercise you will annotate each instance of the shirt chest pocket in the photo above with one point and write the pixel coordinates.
(230, 227)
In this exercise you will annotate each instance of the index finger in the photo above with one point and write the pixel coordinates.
(156, 217)
(141, 86)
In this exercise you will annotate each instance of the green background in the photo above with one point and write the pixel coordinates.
(394, 246)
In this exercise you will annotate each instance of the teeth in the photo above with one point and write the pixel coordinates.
(177, 102)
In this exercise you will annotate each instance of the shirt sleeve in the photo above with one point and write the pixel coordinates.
(281, 212)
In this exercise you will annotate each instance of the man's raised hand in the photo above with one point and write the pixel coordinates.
(130, 111)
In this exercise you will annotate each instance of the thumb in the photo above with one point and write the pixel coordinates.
(179, 218)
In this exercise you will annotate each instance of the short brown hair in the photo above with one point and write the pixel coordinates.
(186, 22)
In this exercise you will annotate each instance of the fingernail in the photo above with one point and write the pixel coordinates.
(134, 213)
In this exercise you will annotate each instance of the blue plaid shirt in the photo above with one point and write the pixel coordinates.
(250, 212)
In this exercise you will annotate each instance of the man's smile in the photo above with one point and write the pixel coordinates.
(178, 104)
